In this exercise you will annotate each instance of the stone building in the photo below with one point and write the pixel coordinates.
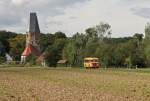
(32, 39)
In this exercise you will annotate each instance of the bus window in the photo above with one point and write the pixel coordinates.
(95, 60)
(86, 61)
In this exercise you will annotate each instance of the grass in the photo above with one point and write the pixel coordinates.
(74, 84)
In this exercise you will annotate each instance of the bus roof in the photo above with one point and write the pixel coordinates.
(91, 58)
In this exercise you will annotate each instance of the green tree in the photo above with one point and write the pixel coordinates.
(31, 59)
(4, 37)
(70, 53)
(147, 31)
(91, 33)
(17, 45)
(46, 40)
(54, 52)
(2, 50)
(103, 30)
(2, 59)
(59, 34)
(146, 44)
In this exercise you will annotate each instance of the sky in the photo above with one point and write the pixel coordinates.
(126, 17)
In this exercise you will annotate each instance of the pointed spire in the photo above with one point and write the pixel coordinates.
(34, 26)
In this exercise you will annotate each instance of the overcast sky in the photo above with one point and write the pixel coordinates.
(70, 16)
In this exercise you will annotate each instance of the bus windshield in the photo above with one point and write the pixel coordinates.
(94, 60)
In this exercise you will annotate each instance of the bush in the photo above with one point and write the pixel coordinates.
(2, 60)
(31, 59)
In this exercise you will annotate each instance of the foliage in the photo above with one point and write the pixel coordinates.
(46, 40)
(31, 60)
(2, 50)
(146, 43)
(54, 52)
(17, 45)
(4, 37)
(2, 59)
(95, 42)
(59, 35)
(103, 30)
(70, 53)
(147, 31)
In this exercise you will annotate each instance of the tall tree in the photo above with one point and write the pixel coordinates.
(103, 30)
(17, 45)
(147, 43)
(54, 51)
(147, 31)
(91, 33)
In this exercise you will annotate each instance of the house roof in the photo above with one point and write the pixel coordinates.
(62, 61)
(31, 50)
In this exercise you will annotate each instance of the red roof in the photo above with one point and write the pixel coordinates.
(30, 50)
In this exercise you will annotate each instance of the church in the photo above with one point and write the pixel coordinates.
(32, 40)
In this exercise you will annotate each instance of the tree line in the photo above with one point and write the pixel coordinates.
(96, 41)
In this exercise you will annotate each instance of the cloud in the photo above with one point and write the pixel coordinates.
(119, 16)
(58, 23)
(143, 12)
(137, 7)
(13, 12)
(18, 2)
(71, 16)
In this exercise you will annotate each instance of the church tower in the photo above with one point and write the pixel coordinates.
(33, 36)
(32, 39)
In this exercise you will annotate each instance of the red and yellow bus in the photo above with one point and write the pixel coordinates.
(91, 62)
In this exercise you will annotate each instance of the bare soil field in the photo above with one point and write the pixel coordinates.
(69, 84)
